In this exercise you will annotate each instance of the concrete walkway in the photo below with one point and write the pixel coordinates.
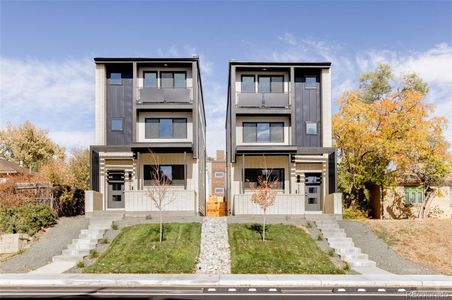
(51, 244)
(190, 280)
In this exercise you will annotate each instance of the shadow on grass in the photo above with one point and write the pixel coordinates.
(258, 229)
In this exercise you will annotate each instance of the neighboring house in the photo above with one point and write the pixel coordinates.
(149, 112)
(279, 120)
(9, 169)
(405, 200)
(218, 175)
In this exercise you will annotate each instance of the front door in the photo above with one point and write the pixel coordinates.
(313, 184)
(115, 190)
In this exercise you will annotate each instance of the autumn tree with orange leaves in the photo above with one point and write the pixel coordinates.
(384, 131)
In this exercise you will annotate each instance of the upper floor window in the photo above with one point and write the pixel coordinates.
(414, 195)
(115, 78)
(311, 127)
(310, 82)
(166, 174)
(169, 128)
(263, 132)
(252, 177)
(117, 124)
(271, 84)
(173, 79)
(219, 174)
(219, 190)
(150, 79)
(248, 85)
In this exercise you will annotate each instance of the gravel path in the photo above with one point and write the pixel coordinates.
(378, 251)
(215, 257)
(50, 244)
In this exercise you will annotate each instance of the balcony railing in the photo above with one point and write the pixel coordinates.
(276, 100)
(164, 95)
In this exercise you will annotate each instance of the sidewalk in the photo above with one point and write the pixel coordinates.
(198, 280)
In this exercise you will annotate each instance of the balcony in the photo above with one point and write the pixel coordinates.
(263, 100)
(164, 95)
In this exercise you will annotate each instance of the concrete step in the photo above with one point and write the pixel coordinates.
(328, 226)
(348, 251)
(84, 241)
(94, 227)
(84, 231)
(339, 239)
(354, 256)
(91, 236)
(334, 235)
(75, 252)
(81, 247)
(362, 263)
(332, 231)
(344, 244)
(72, 258)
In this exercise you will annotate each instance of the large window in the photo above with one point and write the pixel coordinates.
(117, 124)
(150, 79)
(414, 195)
(173, 79)
(263, 132)
(310, 82)
(165, 128)
(271, 84)
(248, 85)
(171, 174)
(115, 78)
(252, 177)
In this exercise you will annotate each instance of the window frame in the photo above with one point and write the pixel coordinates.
(306, 87)
(219, 172)
(254, 83)
(115, 81)
(173, 77)
(172, 128)
(147, 181)
(270, 124)
(156, 78)
(221, 188)
(271, 80)
(413, 192)
(117, 119)
(311, 123)
(281, 181)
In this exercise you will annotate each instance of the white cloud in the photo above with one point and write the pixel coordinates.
(73, 139)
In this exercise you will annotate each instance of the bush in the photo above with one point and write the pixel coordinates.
(28, 219)
(354, 213)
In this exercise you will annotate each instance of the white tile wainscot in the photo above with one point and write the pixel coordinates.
(182, 200)
(284, 204)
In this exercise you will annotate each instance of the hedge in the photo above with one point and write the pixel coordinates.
(29, 219)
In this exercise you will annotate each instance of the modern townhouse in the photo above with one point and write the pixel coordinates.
(278, 124)
(149, 118)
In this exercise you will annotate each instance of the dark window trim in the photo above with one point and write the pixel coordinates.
(310, 88)
(166, 165)
(281, 181)
(112, 81)
(255, 125)
(254, 83)
(173, 72)
(271, 79)
(156, 77)
(172, 129)
(122, 124)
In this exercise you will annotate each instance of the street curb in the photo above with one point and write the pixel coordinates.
(191, 280)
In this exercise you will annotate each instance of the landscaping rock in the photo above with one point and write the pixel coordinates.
(215, 256)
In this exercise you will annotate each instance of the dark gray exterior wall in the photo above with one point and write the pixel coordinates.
(308, 108)
(94, 170)
(120, 105)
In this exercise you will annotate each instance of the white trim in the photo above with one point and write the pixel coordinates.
(327, 138)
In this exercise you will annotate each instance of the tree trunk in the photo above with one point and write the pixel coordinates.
(263, 228)
(382, 200)
(161, 226)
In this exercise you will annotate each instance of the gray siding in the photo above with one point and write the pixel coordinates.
(94, 170)
(120, 105)
(308, 108)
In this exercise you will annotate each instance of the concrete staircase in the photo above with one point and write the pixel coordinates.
(344, 246)
(88, 238)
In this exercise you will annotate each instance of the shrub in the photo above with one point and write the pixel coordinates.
(319, 237)
(80, 264)
(114, 226)
(331, 252)
(93, 253)
(103, 241)
(354, 213)
(29, 219)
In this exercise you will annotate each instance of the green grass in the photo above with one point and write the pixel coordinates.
(287, 250)
(137, 250)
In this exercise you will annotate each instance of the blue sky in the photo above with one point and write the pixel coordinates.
(46, 49)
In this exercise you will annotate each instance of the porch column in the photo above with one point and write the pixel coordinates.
(289, 169)
(185, 170)
(243, 175)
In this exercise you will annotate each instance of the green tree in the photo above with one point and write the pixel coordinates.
(29, 145)
(376, 85)
(79, 168)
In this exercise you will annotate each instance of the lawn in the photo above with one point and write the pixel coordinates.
(427, 242)
(137, 250)
(287, 250)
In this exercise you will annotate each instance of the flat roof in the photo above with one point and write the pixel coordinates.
(281, 63)
(131, 59)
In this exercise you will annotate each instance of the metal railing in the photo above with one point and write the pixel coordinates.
(164, 95)
(266, 100)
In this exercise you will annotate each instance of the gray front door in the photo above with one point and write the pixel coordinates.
(313, 190)
(115, 190)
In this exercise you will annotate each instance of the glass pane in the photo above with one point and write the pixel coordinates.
(180, 128)
(249, 132)
(248, 84)
(166, 80)
(116, 198)
(166, 128)
(277, 84)
(116, 124)
(150, 79)
(115, 78)
(310, 82)
(277, 132)
(263, 132)
(167, 172)
(151, 130)
(264, 84)
(407, 197)
(311, 127)
(179, 80)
